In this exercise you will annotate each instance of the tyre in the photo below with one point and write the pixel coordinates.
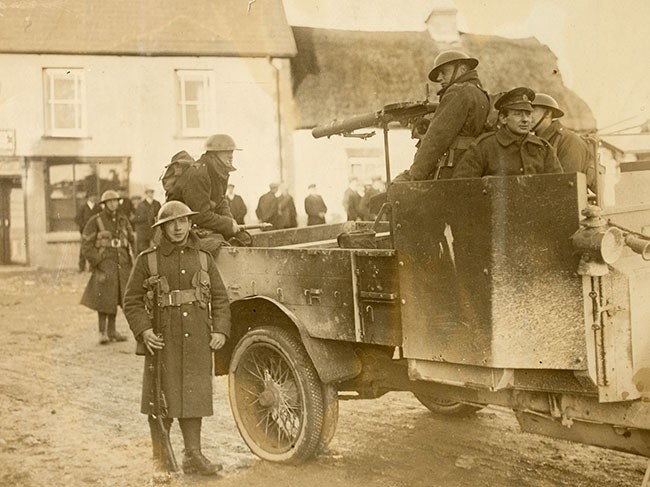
(444, 407)
(276, 397)
(330, 414)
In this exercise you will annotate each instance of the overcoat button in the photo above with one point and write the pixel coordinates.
(184, 313)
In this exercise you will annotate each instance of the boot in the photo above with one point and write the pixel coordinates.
(103, 336)
(194, 461)
(112, 333)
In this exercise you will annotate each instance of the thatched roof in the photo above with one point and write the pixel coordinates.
(146, 27)
(338, 73)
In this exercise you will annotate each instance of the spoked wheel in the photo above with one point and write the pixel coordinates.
(444, 407)
(282, 410)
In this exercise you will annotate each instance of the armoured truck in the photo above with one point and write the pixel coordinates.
(510, 291)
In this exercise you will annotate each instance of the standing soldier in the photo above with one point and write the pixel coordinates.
(512, 149)
(202, 187)
(107, 242)
(145, 216)
(459, 118)
(194, 320)
(572, 152)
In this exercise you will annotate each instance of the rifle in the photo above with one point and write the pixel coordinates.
(158, 403)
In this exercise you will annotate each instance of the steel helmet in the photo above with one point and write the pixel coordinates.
(109, 195)
(447, 57)
(547, 101)
(171, 211)
(220, 142)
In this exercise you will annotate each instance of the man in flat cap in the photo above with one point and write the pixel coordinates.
(512, 149)
(460, 117)
(572, 151)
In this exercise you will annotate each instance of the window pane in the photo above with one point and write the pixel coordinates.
(61, 203)
(65, 117)
(192, 118)
(112, 176)
(194, 90)
(63, 88)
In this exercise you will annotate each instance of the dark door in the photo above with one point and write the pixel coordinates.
(6, 185)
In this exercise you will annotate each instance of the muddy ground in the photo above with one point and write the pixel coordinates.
(69, 415)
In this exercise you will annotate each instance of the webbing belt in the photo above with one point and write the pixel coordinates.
(177, 297)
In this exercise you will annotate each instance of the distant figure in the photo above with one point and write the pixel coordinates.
(315, 207)
(286, 209)
(351, 200)
(267, 206)
(84, 212)
(366, 210)
(237, 205)
(145, 217)
(573, 153)
(126, 205)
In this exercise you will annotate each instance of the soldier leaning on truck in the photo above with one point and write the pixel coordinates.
(460, 117)
(194, 319)
(512, 149)
(107, 241)
(203, 186)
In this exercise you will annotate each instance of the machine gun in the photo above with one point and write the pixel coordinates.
(158, 403)
(405, 113)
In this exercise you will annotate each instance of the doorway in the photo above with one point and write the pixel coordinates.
(13, 245)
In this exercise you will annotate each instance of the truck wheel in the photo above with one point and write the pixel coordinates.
(330, 414)
(444, 407)
(276, 396)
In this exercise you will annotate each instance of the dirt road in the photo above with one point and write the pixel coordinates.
(69, 416)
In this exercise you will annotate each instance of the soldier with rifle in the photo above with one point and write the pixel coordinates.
(177, 307)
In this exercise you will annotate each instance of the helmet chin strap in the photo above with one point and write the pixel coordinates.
(546, 113)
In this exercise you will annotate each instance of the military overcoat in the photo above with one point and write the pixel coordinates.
(186, 356)
(462, 112)
(504, 153)
(202, 187)
(110, 263)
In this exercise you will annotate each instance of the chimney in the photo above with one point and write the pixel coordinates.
(441, 22)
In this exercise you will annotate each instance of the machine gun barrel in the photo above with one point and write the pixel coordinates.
(396, 112)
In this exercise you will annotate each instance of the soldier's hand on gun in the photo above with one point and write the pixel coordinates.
(217, 340)
(152, 341)
(235, 227)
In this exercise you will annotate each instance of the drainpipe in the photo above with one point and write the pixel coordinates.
(276, 74)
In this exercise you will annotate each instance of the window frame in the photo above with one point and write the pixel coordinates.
(207, 108)
(78, 101)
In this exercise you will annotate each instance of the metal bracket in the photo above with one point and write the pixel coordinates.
(313, 294)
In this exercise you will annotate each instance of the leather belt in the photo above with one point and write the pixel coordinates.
(178, 297)
(114, 243)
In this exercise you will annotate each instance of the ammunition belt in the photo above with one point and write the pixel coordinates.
(178, 297)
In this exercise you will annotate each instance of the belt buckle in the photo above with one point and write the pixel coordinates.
(116, 243)
(172, 298)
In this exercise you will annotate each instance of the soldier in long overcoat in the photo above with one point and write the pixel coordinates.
(195, 319)
(512, 150)
(459, 118)
(107, 241)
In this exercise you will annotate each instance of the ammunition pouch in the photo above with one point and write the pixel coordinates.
(449, 159)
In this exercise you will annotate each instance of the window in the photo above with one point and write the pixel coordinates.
(65, 102)
(197, 110)
(70, 180)
(365, 164)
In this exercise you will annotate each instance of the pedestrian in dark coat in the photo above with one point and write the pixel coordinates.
(572, 152)
(189, 331)
(511, 150)
(145, 217)
(202, 187)
(107, 243)
(351, 200)
(267, 206)
(84, 212)
(315, 207)
(237, 205)
(458, 120)
(287, 215)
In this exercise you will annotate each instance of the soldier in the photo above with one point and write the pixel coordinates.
(193, 297)
(572, 152)
(145, 216)
(512, 149)
(107, 242)
(202, 187)
(460, 117)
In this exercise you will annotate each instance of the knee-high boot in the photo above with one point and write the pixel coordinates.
(103, 337)
(194, 461)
